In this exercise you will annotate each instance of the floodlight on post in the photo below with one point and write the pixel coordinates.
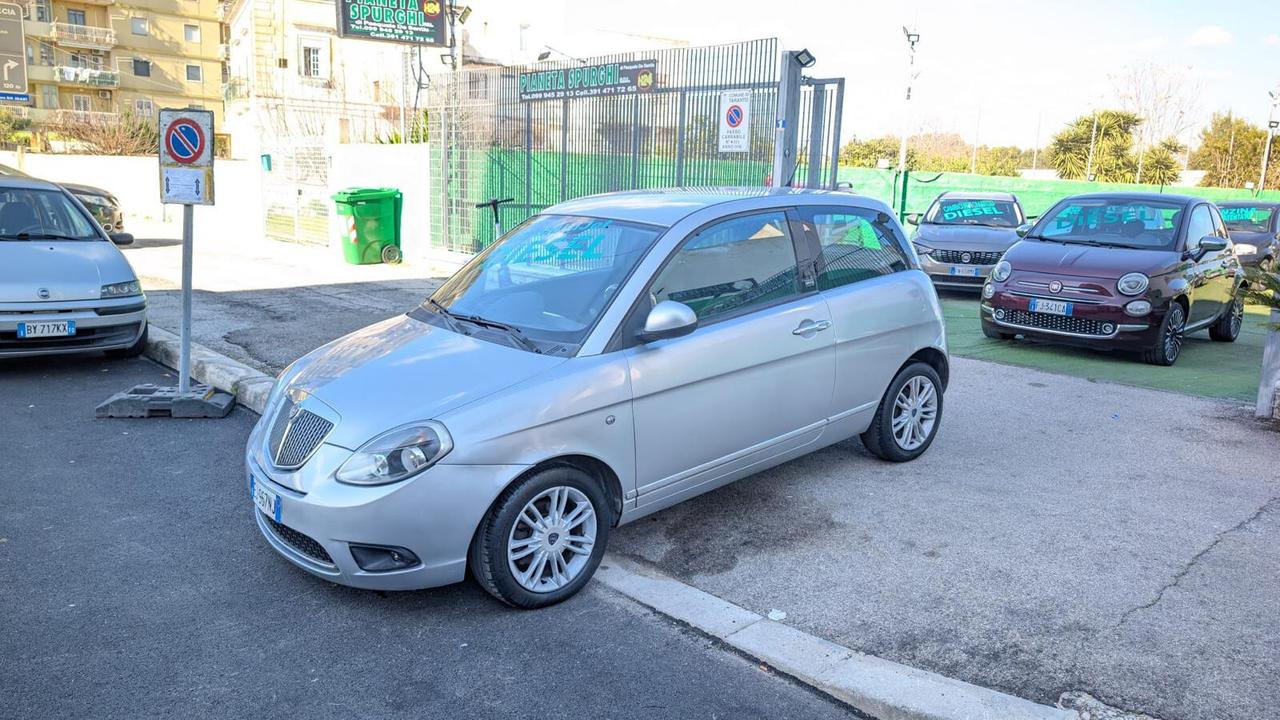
(805, 58)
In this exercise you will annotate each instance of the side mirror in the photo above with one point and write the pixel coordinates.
(121, 238)
(1211, 244)
(668, 319)
(844, 185)
(1023, 230)
(913, 218)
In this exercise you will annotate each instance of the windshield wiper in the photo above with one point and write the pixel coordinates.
(444, 313)
(512, 331)
(39, 236)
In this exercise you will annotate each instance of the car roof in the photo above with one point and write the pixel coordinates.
(667, 206)
(963, 195)
(13, 182)
(1157, 197)
(1246, 203)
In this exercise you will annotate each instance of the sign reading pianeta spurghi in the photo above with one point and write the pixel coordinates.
(420, 22)
(620, 78)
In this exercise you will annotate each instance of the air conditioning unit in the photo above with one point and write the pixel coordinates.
(104, 94)
(96, 52)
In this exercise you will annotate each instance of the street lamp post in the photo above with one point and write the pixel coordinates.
(1272, 124)
(912, 39)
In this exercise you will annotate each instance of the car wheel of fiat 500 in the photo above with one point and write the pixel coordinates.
(1169, 343)
(908, 417)
(542, 539)
(1227, 329)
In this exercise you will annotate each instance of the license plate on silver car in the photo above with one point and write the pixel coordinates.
(966, 271)
(267, 501)
(1052, 307)
(58, 328)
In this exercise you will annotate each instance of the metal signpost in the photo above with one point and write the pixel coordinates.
(13, 60)
(186, 178)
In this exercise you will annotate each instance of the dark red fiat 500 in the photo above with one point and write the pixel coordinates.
(1134, 272)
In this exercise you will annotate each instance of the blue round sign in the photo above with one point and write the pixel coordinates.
(734, 116)
(184, 141)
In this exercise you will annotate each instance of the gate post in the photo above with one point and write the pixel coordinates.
(784, 133)
(817, 122)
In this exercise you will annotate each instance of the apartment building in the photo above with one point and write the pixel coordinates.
(93, 58)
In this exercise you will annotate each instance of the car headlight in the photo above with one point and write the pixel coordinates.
(988, 290)
(1132, 284)
(1002, 271)
(1246, 249)
(922, 250)
(121, 289)
(396, 455)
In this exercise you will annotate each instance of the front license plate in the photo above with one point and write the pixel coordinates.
(1052, 307)
(60, 328)
(267, 501)
(966, 271)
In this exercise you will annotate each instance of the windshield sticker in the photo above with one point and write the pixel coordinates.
(579, 242)
(970, 208)
(1244, 214)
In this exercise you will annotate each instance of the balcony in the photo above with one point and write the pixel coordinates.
(69, 75)
(83, 36)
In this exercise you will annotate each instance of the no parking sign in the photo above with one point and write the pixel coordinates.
(735, 121)
(186, 157)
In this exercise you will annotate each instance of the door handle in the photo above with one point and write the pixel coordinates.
(809, 326)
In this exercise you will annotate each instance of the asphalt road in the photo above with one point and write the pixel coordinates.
(134, 584)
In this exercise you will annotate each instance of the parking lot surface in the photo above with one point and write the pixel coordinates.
(1059, 535)
(136, 585)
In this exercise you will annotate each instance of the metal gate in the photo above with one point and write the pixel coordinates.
(488, 143)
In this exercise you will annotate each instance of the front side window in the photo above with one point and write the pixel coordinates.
(856, 244)
(551, 277)
(1247, 219)
(46, 214)
(958, 211)
(731, 267)
(1201, 225)
(1138, 223)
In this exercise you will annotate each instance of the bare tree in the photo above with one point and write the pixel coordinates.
(106, 134)
(1165, 97)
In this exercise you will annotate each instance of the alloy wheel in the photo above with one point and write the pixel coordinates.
(1173, 332)
(551, 540)
(915, 411)
(1237, 316)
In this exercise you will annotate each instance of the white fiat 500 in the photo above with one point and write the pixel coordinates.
(606, 359)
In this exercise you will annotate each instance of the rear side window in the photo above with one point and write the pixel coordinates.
(855, 244)
(732, 267)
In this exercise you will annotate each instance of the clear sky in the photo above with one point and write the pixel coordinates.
(997, 68)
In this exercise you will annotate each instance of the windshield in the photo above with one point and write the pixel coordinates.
(992, 213)
(1247, 219)
(1140, 224)
(550, 279)
(42, 215)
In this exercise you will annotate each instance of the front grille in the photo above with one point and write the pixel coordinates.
(959, 279)
(1058, 323)
(975, 257)
(296, 434)
(301, 542)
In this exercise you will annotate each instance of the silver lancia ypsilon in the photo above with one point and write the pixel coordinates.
(607, 358)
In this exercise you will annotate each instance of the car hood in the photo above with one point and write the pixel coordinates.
(85, 189)
(68, 270)
(966, 237)
(1084, 261)
(403, 370)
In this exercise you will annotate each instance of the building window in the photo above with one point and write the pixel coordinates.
(194, 73)
(191, 33)
(524, 37)
(44, 12)
(141, 68)
(75, 17)
(138, 25)
(49, 96)
(31, 54)
(77, 60)
(46, 55)
(80, 103)
(312, 59)
(143, 107)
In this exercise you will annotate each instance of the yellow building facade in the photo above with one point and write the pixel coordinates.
(111, 56)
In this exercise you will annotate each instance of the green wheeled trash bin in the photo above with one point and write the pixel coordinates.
(369, 224)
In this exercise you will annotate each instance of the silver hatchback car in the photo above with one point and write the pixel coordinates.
(608, 358)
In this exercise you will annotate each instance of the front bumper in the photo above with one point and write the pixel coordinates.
(433, 515)
(100, 325)
(1091, 324)
(949, 275)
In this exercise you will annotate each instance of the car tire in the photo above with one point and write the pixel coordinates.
(133, 350)
(1168, 345)
(498, 558)
(892, 438)
(1227, 328)
(990, 331)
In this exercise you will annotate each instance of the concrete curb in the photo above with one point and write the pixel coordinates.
(251, 387)
(881, 688)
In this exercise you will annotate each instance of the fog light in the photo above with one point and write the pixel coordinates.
(372, 558)
(988, 290)
(1138, 308)
(1108, 328)
(999, 313)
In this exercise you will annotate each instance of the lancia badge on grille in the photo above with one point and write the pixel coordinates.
(1055, 286)
(966, 257)
(43, 293)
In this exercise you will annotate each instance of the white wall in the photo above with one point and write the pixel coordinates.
(405, 167)
(135, 181)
